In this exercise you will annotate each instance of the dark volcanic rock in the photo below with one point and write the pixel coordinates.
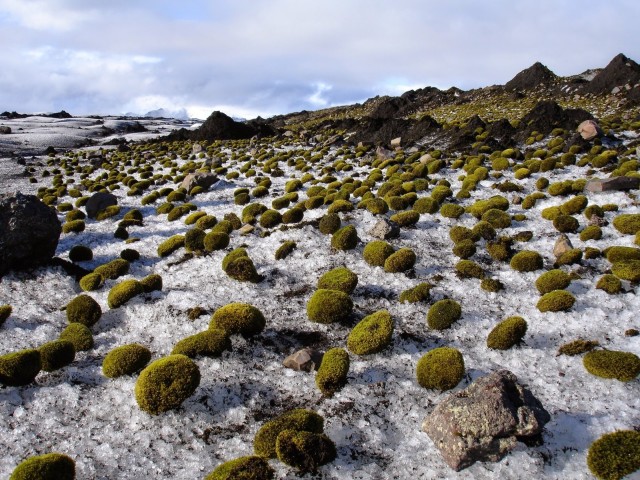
(60, 114)
(485, 421)
(5, 130)
(389, 108)
(222, 127)
(619, 72)
(536, 74)
(29, 232)
(199, 179)
(547, 115)
(98, 202)
(382, 131)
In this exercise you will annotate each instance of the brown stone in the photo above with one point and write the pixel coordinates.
(199, 179)
(563, 245)
(305, 360)
(589, 130)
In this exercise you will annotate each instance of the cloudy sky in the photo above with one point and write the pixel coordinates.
(265, 57)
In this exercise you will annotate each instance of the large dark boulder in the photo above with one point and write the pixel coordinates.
(29, 232)
(485, 421)
(536, 74)
(98, 202)
(547, 115)
(219, 126)
(620, 71)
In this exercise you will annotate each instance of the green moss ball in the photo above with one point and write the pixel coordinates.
(577, 347)
(20, 368)
(615, 455)
(377, 206)
(50, 466)
(400, 261)
(451, 210)
(458, 233)
(591, 232)
(610, 284)
(406, 219)
(332, 374)
(113, 269)
(426, 205)
(628, 223)
(623, 366)
(164, 384)
(130, 255)
(566, 224)
(83, 309)
(500, 249)
(552, 280)
(484, 230)
(125, 360)
(194, 240)
(298, 419)
(216, 241)
(443, 314)
(329, 223)
(491, 285)
(464, 249)
(507, 333)
(210, 343)
(372, 334)
(80, 253)
(329, 306)
(497, 218)
(285, 250)
(340, 278)
(151, 283)
(123, 292)
(621, 254)
(304, 451)
(419, 293)
(627, 270)
(345, 239)
(91, 282)
(238, 318)
(526, 261)
(440, 369)
(270, 219)
(170, 245)
(340, 206)
(74, 226)
(375, 253)
(79, 335)
(293, 215)
(576, 205)
(5, 312)
(469, 269)
(246, 468)
(56, 355)
(556, 301)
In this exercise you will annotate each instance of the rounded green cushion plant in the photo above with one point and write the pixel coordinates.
(285, 250)
(591, 232)
(91, 282)
(458, 233)
(332, 373)
(79, 335)
(243, 468)
(406, 219)
(170, 245)
(210, 343)
(372, 334)
(298, 419)
(526, 261)
(552, 280)
(497, 218)
(464, 249)
(123, 292)
(238, 318)
(5, 312)
(329, 306)
(440, 369)
(377, 206)
(74, 226)
(125, 360)
(113, 269)
(627, 223)
(340, 278)
(80, 253)
(627, 270)
(610, 284)
(623, 366)
(443, 314)
(507, 333)
(20, 368)
(400, 261)
(566, 224)
(304, 451)
(216, 241)
(491, 285)
(329, 223)
(151, 283)
(270, 219)
(426, 205)
(556, 301)
(194, 240)
(293, 215)
(166, 383)
(419, 293)
(376, 252)
(83, 309)
(56, 354)
(50, 466)
(621, 254)
(469, 269)
(615, 455)
(345, 239)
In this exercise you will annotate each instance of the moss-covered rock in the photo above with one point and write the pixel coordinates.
(497, 218)
(50, 466)
(20, 368)
(552, 280)
(5, 312)
(293, 215)
(56, 354)
(610, 284)
(376, 252)
(440, 369)
(576, 205)
(377, 206)
(500, 249)
(91, 282)
(332, 373)
(125, 360)
(479, 208)
(556, 301)
(627, 270)
(484, 230)
(628, 223)
(340, 206)
(113, 269)
(74, 226)
(491, 285)
(507, 333)
(469, 269)
(621, 254)
(526, 261)
(577, 347)
(299, 419)
(372, 334)
(615, 455)
(83, 309)
(623, 366)
(329, 223)
(164, 384)
(419, 293)
(329, 306)
(79, 335)
(400, 261)
(340, 278)
(123, 292)
(243, 468)
(566, 224)
(210, 343)
(285, 250)
(238, 319)
(215, 241)
(270, 219)
(591, 232)
(80, 253)
(426, 205)
(151, 283)
(345, 239)
(443, 314)
(464, 249)
(239, 266)
(304, 451)
(170, 245)
(451, 210)
(194, 240)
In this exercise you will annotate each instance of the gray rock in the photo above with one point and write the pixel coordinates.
(246, 229)
(613, 183)
(562, 245)
(485, 421)
(198, 179)
(396, 142)
(334, 140)
(29, 232)
(196, 148)
(383, 154)
(98, 202)
(597, 221)
(385, 229)
(5, 130)
(305, 360)
(589, 130)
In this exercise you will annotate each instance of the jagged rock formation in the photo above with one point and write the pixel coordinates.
(536, 74)
(620, 72)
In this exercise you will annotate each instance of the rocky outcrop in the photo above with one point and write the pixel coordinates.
(379, 131)
(485, 421)
(620, 71)
(29, 232)
(536, 74)
(198, 179)
(547, 115)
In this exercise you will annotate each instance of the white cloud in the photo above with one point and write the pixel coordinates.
(317, 98)
(46, 15)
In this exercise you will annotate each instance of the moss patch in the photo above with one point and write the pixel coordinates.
(372, 334)
(50, 466)
(400, 261)
(210, 343)
(623, 366)
(20, 368)
(123, 292)
(79, 335)
(556, 301)
(552, 280)
(125, 360)
(443, 314)
(245, 468)
(526, 261)
(440, 369)
(332, 374)
(299, 419)
(615, 455)
(329, 306)
(83, 309)
(305, 451)
(507, 333)
(238, 318)
(56, 355)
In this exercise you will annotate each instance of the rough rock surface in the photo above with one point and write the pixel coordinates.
(385, 229)
(29, 232)
(5, 130)
(562, 245)
(199, 179)
(589, 130)
(485, 421)
(620, 71)
(98, 202)
(306, 360)
(531, 77)
(614, 183)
